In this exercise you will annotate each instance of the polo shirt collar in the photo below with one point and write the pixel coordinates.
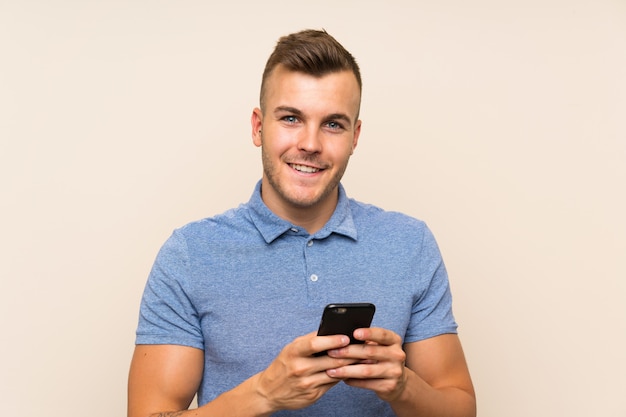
(271, 226)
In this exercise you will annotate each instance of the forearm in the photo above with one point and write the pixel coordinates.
(420, 399)
(241, 401)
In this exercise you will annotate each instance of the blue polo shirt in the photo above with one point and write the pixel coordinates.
(243, 284)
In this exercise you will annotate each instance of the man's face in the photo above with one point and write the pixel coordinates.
(307, 131)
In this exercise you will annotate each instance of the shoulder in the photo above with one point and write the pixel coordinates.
(370, 216)
(205, 239)
(226, 223)
(397, 231)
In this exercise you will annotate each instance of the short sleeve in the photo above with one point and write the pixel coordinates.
(167, 314)
(432, 309)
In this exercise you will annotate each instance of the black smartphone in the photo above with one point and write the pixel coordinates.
(345, 319)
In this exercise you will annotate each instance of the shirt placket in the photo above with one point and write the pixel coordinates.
(313, 276)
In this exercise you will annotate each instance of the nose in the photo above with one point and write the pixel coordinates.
(309, 140)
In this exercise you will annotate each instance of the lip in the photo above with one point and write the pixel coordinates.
(304, 168)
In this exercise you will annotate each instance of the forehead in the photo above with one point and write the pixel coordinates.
(297, 89)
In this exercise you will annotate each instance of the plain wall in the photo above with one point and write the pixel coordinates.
(499, 123)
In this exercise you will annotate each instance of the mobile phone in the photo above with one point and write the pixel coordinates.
(345, 319)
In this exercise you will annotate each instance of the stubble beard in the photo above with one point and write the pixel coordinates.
(270, 171)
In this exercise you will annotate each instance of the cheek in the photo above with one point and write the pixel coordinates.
(340, 150)
(284, 143)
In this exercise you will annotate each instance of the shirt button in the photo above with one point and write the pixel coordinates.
(293, 229)
(314, 278)
(309, 243)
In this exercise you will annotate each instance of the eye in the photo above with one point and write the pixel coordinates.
(290, 119)
(334, 125)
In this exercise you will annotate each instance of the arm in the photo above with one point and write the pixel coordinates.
(163, 377)
(426, 378)
(163, 380)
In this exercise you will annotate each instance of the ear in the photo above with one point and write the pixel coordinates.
(256, 121)
(355, 138)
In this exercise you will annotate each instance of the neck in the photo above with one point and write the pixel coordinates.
(311, 220)
(310, 217)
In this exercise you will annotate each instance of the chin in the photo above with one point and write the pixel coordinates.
(311, 198)
(302, 202)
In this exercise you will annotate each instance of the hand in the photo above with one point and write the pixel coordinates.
(380, 363)
(296, 379)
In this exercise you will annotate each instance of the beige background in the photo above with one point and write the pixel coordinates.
(500, 123)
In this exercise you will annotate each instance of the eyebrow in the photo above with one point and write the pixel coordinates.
(339, 116)
(298, 112)
(287, 109)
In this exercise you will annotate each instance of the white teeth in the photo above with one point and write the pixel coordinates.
(304, 168)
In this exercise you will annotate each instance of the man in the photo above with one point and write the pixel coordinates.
(231, 307)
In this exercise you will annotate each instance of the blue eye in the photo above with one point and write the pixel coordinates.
(290, 119)
(334, 125)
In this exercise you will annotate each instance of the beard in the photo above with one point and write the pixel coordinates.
(291, 195)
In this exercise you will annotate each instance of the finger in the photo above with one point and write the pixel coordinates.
(365, 353)
(371, 353)
(369, 369)
(387, 389)
(378, 335)
(362, 371)
(309, 344)
(321, 344)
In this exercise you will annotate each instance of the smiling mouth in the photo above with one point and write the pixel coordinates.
(304, 168)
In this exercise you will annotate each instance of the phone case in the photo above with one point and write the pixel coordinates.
(345, 318)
